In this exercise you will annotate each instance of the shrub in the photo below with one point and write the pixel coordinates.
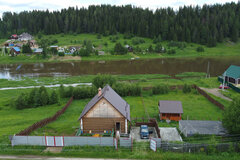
(102, 79)
(84, 92)
(61, 54)
(171, 51)
(160, 89)
(187, 88)
(231, 118)
(127, 89)
(99, 36)
(200, 49)
(35, 98)
(157, 39)
(158, 48)
(119, 49)
(137, 40)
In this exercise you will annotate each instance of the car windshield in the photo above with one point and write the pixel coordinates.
(144, 130)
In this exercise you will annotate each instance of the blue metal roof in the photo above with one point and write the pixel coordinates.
(17, 49)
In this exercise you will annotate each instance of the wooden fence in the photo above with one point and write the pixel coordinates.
(202, 92)
(45, 121)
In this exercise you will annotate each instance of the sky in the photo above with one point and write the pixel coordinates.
(27, 5)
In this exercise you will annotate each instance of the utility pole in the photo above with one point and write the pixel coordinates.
(208, 67)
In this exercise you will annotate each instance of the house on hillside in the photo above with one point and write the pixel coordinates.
(107, 111)
(14, 36)
(170, 110)
(38, 51)
(15, 51)
(232, 75)
(191, 127)
(25, 37)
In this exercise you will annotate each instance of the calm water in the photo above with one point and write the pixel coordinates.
(170, 66)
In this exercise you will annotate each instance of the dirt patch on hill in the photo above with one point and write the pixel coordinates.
(65, 58)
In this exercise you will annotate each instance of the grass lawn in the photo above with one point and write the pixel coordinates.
(195, 107)
(13, 121)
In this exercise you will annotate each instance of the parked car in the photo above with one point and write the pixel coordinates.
(225, 86)
(144, 133)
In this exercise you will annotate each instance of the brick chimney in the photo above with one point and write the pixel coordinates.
(99, 92)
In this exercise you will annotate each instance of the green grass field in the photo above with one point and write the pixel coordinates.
(195, 107)
(224, 49)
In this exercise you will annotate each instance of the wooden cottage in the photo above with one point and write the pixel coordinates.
(107, 111)
(232, 75)
(171, 110)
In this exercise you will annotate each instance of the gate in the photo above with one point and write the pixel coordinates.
(54, 141)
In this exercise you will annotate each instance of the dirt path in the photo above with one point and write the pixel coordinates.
(216, 92)
(48, 158)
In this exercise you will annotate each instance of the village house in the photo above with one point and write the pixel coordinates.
(38, 51)
(15, 51)
(170, 110)
(107, 111)
(232, 75)
(25, 37)
(14, 36)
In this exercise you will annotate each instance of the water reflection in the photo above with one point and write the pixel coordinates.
(170, 66)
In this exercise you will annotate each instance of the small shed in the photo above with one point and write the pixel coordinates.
(191, 127)
(170, 110)
(107, 111)
(232, 75)
(15, 50)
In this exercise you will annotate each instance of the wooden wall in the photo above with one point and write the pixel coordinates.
(98, 124)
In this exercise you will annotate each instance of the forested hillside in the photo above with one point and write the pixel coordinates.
(205, 25)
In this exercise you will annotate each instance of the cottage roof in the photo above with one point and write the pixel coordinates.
(38, 50)
(17, 49)
(112, 97)
(170, 107)
(233, 71)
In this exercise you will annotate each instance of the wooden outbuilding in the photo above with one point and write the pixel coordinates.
(170, 110)
(107, 111)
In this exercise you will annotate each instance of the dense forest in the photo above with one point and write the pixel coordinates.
(208, 24)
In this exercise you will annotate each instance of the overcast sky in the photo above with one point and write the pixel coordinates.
(22, 5)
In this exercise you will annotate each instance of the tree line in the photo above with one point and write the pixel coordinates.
(208, 24)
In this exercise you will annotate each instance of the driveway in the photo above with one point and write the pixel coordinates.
(135, 134)
(216, 92)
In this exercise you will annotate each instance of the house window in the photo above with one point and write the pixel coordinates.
(163, 114)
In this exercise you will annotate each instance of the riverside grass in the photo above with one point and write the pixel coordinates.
(145, 80)
(222, 49)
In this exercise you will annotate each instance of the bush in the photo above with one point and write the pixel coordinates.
(200, 49)
(158, 48)
(99, 36)
(171, 51)
(101, 80)
(119, 49)
(84, 92)
(127, 89)
(61, 54)
(157, 39)
(35, 98)
(160, 89)
(231, 118)
(137, 40)
(187, 88)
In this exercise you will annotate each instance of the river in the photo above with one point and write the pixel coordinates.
(168, 66)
